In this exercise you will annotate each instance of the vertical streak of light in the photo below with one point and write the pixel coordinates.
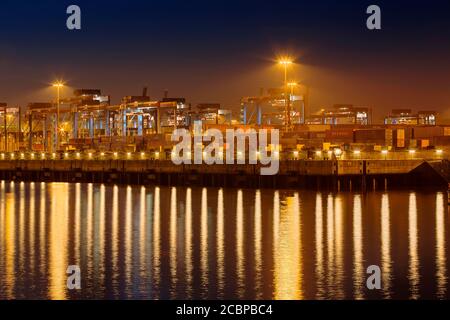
(413, 248)
(276, 221)
(173, 240)
(77, 223)
(148, 242)
(188, 242)
(386, 264)
(297, 245)
(31, 237)
(258, 244)
(10, 245)
(96, 254)
(441, 270)
(115, 235)
(358, 254)
(204, 261)
(142, 235)
(2, 234)
(276, 232)
(220, 245)
(240, 245)
(339, 234)
(331, 267)
(89, 228)
(101, 234)
(287, 260)
(128, 238)
(42, 233)
(58, 241)
(21, 248)
(319, 248)
(157, 240)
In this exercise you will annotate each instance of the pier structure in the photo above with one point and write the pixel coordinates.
(321, 174)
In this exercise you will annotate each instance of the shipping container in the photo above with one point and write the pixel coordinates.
(377, 136)
(318, 127)
(441, 141)
(427, 132)
(389, 137)
(424, 143)
(38, 147)
(317, 135)
(401, 137)
(341, 133)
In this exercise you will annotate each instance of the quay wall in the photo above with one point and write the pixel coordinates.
(335, 174)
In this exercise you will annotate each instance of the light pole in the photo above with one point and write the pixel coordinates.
(58, 85)
(292, 85)
(285, 62)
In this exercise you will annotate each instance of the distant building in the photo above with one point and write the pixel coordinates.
(342, 114)
(406, 117)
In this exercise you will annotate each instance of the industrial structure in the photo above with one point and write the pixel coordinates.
(406, 117)
(88, 120)
(269, 108)
(342, 114)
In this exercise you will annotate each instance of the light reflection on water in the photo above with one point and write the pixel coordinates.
(182, 243)
(358, 252)
(386, 245)
(413, 276)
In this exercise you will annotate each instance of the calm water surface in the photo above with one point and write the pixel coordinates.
(182, 243)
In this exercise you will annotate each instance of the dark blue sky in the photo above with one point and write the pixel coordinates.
(221, 50)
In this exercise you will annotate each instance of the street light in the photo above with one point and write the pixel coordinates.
(286, 62)
(58, 85)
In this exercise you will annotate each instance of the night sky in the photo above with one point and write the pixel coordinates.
(219, 51)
